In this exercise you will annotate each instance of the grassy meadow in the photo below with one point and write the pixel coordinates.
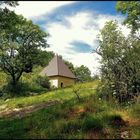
(70, 118)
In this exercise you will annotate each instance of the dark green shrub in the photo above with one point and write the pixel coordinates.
(91, 122)
(15, 90)
(43, 81)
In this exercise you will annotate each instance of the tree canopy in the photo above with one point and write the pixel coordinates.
(44, 57)
(82, 73)
(120, 55)
(19, 41)
(132, 10)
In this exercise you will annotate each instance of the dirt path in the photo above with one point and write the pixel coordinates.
(21, 112)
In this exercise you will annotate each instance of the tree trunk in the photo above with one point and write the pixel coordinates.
(14, 82)
(16, 79)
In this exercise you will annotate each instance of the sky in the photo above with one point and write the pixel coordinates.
(73, 27)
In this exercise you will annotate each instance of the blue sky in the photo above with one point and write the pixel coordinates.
(105, 7)
(73, 26)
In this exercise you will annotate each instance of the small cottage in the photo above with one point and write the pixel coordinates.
(59, 73)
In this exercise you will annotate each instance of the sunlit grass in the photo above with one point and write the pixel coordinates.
(71, 118)
(56, 95)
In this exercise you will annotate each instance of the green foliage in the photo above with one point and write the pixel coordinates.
(14, 129)
(27, 84)
(120, 69)
(92, 123)
(120, 63)
(56, 95)
(20, 40)
(43, 81)
(44, 57)
(69, 119)
(3, 79)
(82, 73)
(132, 10)
(10, 3)
(70, 65)
(19, 89)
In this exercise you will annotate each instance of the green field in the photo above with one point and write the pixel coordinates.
(70, 118)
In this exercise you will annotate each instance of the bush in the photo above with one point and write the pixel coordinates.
(43, 81)
(17, 90)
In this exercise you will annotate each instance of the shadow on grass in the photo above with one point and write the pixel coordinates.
(21, 89)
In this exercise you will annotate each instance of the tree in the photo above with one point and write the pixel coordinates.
(43, 81)
(111, 51)
(70, 65)
(10, 3)
(132, 10)
(120, 69)
(44, 57)
(82, 73)
(20, 40)
(120, 62)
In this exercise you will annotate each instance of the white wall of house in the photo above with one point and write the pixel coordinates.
(54, 82)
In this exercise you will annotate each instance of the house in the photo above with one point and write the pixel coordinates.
(59, 73)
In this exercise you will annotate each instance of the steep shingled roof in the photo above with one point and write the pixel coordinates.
(57, 67)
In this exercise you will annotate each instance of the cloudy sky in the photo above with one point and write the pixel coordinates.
(73, 26)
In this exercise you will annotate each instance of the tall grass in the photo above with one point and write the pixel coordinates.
(72, 119)
(69, 118)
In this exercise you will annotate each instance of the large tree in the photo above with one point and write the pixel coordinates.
(19, 41)
(120, 55)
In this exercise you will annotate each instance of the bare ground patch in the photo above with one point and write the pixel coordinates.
(21, 112)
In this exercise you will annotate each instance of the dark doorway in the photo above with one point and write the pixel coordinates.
(61, 84)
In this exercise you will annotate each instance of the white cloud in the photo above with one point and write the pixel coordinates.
(91, 60)
(85, 28)
(36, 8)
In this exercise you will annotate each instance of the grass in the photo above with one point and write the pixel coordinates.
(70, 119)
(56, 95)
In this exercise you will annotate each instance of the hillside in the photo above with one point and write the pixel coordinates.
(59, 114)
